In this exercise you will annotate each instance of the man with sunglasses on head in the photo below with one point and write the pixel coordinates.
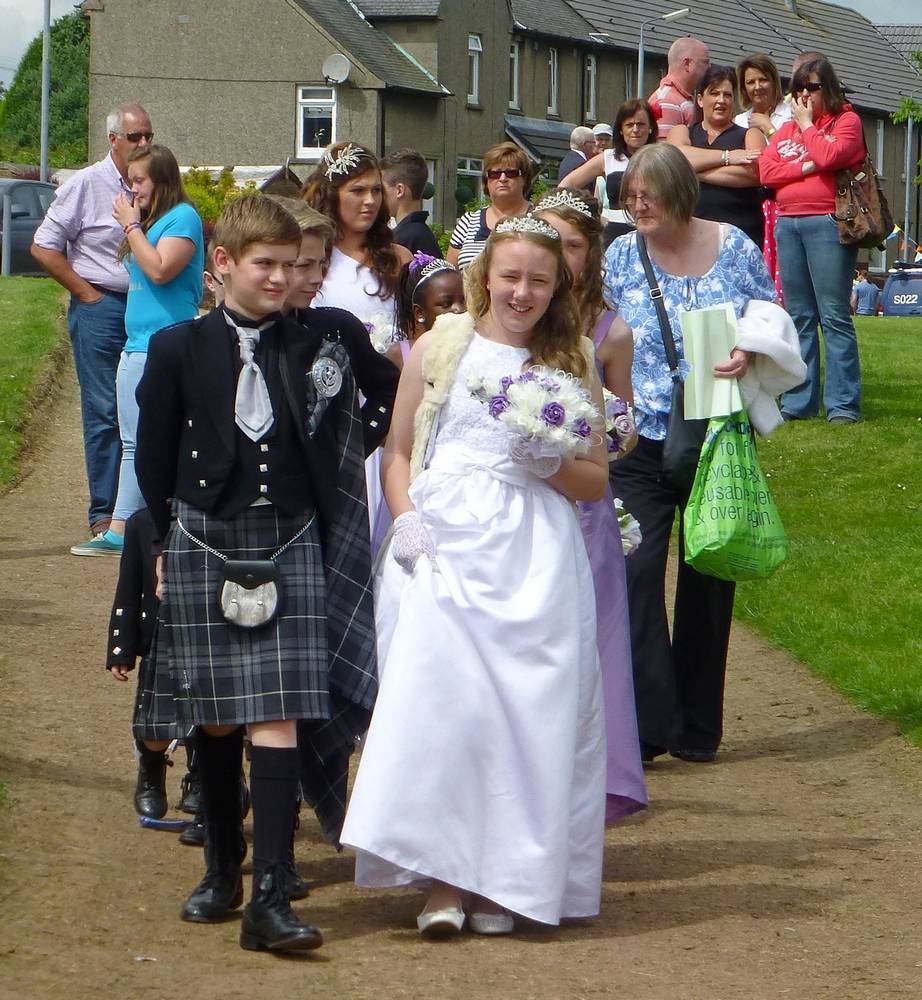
(77, 244)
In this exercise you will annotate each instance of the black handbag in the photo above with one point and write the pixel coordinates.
(684, 438)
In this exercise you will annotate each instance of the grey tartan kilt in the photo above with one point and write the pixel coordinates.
(155, 716)
(219, 673)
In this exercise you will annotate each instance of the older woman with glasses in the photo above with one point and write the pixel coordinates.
(508, 175)
(800, 164)
(678, 681)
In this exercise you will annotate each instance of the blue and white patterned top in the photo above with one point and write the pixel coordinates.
(738, 275)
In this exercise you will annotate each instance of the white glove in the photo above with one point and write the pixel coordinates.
(543, 468)
(411, 540)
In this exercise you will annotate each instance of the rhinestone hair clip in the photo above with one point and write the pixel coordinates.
(345, 160)
(563, 198)
(527, 224)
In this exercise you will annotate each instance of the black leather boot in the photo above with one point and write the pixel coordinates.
(191, 786)
(221, 890)
(293, 885)
(150, 791)
(194, 833)
(269, 923)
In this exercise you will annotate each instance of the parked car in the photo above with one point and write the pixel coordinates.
(30, 201)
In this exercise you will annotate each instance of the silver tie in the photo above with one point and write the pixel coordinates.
(252, 405)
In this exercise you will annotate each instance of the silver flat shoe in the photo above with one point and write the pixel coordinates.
(439, 924)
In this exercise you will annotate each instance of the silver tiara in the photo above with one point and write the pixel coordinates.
(563, 198)
(527, 224)
(435, 266)
(345, 160)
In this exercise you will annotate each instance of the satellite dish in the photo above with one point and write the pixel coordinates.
(336, 68)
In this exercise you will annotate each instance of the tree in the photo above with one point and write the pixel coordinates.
(20, 112)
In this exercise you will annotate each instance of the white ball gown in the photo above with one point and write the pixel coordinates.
(484, 766)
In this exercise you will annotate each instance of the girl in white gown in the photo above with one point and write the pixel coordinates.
(365, 260)
(483, 772)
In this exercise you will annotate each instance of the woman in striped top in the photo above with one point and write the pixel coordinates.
(508, 176)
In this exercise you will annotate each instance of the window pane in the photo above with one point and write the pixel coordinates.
(316, 125)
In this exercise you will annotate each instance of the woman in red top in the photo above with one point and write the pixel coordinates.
(823, 137)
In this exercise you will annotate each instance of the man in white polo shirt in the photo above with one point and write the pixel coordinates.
(77, 245)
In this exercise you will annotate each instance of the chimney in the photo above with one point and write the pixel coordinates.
(792, 7)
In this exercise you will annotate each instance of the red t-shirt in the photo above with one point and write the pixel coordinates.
(671, 106)
(832, 142)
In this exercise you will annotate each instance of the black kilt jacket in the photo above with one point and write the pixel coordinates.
(186, 430)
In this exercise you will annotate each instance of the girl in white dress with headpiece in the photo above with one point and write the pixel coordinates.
(483, 774)
(365, 261)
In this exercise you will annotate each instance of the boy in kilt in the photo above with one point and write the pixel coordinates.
(250, 436)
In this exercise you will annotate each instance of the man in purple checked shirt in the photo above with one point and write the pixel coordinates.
(77, 245)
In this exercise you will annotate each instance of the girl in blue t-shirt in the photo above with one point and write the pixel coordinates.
(164, 253)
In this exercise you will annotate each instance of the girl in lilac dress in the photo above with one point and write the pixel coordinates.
(575, 216)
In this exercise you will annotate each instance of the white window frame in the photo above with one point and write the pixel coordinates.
(515, 62)
(590, 85)
(474, 57)
(553, 82)
(318, 97)
(472, 167)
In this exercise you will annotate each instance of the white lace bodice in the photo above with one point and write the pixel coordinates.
(465, 419)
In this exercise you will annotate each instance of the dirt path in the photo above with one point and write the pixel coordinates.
(789, 869)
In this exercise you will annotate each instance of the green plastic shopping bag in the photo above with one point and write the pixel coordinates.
(732, 527)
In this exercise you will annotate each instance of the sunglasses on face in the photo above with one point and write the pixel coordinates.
(136, 136)
(510, 172)
(811, 88)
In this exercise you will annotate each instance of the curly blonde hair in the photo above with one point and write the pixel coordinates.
(557, 336)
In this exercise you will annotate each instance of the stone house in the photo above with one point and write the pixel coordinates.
(236, 82)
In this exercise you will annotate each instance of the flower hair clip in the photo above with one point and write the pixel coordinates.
(343, 162)
(421, 260)
(564, 198)
(527, 224)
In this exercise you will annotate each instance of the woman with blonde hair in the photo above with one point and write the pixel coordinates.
(482, 779)
(508, 176)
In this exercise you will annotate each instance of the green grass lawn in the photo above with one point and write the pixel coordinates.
(848, 601)
(32, 332)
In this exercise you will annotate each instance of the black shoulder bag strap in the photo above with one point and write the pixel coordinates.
(684, 438)
(656, 294)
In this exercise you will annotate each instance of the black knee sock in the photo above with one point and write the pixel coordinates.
(274, 792)
(220, 759)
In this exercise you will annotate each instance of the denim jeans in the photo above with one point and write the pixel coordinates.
(97, 335)
(816, 274)
(130, 370)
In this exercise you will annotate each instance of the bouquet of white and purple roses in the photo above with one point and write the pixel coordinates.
(619, 422)
(630, 529)
(381, 331)
(549, 413)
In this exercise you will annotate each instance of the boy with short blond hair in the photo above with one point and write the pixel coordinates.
(250, 458)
